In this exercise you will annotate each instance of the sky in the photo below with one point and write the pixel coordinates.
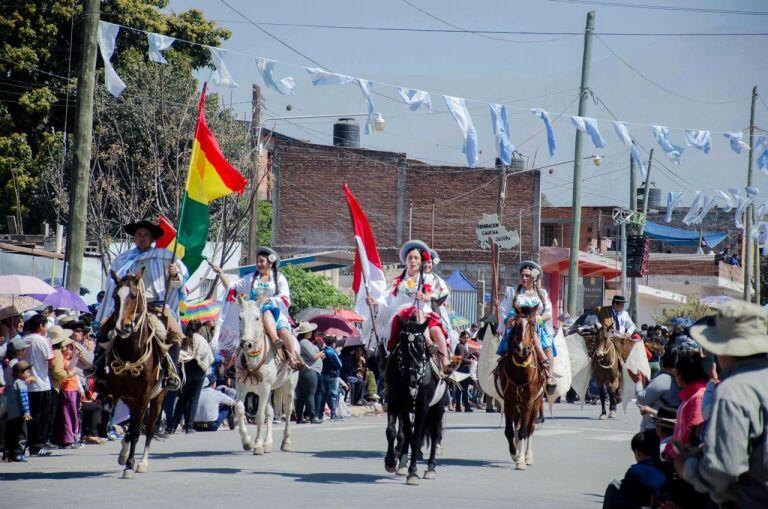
(699, 82)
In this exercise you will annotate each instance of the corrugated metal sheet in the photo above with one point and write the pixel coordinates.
(465, 304)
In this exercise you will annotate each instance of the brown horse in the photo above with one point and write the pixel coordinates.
(520, 381)
(133, 362)
(606, 368)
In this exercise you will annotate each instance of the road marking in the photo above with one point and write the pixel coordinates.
(626, 437)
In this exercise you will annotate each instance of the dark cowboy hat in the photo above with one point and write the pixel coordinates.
(153, 228)
(269, 253)
(71, 323)
(410, 246)
(618, 299)
(666, 417)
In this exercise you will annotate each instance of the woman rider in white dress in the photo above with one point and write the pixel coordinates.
(411, 292)
(529, 294)
(268, 282)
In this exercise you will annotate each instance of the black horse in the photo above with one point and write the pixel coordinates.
(411, 386)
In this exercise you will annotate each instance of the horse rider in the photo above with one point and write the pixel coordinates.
(529, 294)
(412, 292)
(441, 293)
(615, 317)
(268, 283)
(160, 269)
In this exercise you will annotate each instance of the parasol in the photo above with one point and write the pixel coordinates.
(24, 285)
(331, 325)
(62, 298)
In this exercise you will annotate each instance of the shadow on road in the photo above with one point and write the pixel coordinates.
(190, 454)
(344, 454)
(34, 476)
(214, 470)
(333, 477)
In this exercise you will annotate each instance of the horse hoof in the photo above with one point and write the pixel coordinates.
(285, 447)
(267, 447)
(412, 480)
(127, 474)
(402, 471)
(430, 474)
(247, 446)
(258, 451)
(142, 467)
(520, 466)
(602, 417)
(529, 462)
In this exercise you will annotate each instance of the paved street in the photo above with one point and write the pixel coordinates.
(340, 464)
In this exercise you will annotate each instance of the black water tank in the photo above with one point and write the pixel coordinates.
(346, 133)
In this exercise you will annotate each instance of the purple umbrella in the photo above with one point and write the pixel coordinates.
(62, 299)
(331, 325)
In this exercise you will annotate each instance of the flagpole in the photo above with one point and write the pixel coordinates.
(180, 213)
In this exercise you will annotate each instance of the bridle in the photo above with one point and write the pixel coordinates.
(138, 316)
(524, 363)
(413, 346)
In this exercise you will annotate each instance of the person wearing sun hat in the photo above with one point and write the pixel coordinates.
(731, 464)
(411, 292)
(265, 282)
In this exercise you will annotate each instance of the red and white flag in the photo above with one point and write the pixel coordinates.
(368, 272)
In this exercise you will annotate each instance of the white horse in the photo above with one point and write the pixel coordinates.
(258, 370)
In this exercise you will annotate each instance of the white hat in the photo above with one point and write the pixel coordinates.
(304, 327)
(411, 245)
(57, 334)
(19, 344)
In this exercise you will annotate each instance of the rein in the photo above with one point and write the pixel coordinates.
(611, 352)
(502, 372)
(134, 368)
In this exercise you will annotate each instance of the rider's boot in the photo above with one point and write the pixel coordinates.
(171, 379)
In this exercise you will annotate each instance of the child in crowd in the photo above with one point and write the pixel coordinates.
(643, 481)
(17, 404)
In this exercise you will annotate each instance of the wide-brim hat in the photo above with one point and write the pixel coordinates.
(19, 344)
(270, 253)
(619, 299)
(739, 329)
(154, 229)
(409, 246)
(665, 417)
(530, 264)
(304, 327)
(435, 257)
(57, 334)
(71, 322)
(9, 311)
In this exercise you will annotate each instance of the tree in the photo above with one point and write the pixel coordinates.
(309, 290)
(39, 57)
(692, 309)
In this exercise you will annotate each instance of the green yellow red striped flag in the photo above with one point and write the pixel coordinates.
(210, 177)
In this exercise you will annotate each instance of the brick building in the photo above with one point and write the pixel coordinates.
(596, 226)
(403, 199)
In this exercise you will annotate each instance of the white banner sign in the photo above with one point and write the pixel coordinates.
(490, 229)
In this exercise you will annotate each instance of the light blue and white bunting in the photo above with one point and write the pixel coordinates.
(415, 98)
(661, 133)
(701, 140)
(221, 76)
(673, 200)
(321, 77)
(283, 86)
(500, 122)
(622, 131)
(737, 145)
(544, 116)
(107, 35)
(365, 88)
(762, 159)
(458, 108)
(157, 44)
(589, 126)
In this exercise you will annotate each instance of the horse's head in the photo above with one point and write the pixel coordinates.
(413, 348)
(604, 339)
(523, 336)
(252, 340)
(130, 302)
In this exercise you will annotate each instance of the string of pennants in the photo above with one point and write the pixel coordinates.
(419, 99)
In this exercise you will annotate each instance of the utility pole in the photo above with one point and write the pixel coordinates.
(495, 251)
(646, 190)
(253, 227)
(573, 265)
(748, 242)
(633, 207)
(78, 209)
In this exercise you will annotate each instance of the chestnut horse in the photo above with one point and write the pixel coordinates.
(606, 369)
(520, 381)
(133, 361)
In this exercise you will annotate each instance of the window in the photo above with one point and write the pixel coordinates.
(547, 234)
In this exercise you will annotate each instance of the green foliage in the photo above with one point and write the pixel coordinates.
(265, 223)
(693, 309)
(309, 289)
(40, 44)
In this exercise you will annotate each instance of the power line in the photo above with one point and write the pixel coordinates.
(665, 89)
(698, 10)
(484, 36)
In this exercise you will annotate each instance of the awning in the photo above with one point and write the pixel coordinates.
(680, 237)
(315, 262)
(556, 259)
(459, 282)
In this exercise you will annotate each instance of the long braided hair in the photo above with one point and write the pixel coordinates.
(536, 287)
(402, 275)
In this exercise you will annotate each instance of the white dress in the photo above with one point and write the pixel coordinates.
(397, 302)
(278, 301)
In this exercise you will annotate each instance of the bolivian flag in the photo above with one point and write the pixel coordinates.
(210, 177)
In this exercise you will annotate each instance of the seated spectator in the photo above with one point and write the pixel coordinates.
(352, 360)
(91, 409)
(643, 482)
(214, 407)
(661, 391)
